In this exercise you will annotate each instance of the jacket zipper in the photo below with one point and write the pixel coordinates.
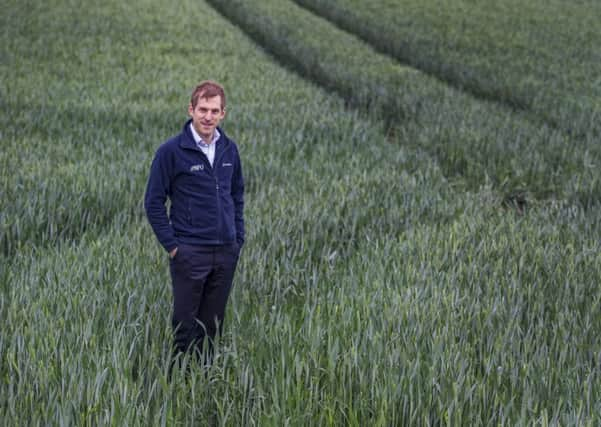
(219, 210)
(213, 170)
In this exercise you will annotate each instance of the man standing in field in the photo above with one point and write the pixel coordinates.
(199, 171)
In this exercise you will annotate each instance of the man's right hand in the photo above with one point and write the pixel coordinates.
(172, 253)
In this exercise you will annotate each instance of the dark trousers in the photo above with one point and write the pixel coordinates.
(202, 279)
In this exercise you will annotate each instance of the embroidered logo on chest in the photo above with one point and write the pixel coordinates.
(195, 168)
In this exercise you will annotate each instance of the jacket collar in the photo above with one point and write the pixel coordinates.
(187, 141)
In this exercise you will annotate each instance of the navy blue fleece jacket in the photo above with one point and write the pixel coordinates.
(207, 202)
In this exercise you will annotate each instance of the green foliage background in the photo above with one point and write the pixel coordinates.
(416, 255)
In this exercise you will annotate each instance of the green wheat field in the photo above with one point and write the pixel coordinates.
(423, 212)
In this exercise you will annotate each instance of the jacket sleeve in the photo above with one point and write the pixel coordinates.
(157, 191)
(237, 189)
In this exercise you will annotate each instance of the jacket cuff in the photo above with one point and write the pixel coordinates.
(170, 246)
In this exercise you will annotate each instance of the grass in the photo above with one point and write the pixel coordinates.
(373, 289)
(521, 55)
(474, 142)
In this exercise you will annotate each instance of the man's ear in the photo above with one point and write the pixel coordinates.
(190, 109)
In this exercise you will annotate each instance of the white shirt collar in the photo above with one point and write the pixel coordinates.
(198, 138)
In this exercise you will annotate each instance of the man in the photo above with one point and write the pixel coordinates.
(199, 171)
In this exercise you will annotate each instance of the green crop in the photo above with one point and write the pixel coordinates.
(540, 56)
(375, 287)
(475, 142)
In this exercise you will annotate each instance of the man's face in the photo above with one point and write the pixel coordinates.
(206, 116)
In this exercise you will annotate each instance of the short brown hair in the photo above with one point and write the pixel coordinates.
(207, 89)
